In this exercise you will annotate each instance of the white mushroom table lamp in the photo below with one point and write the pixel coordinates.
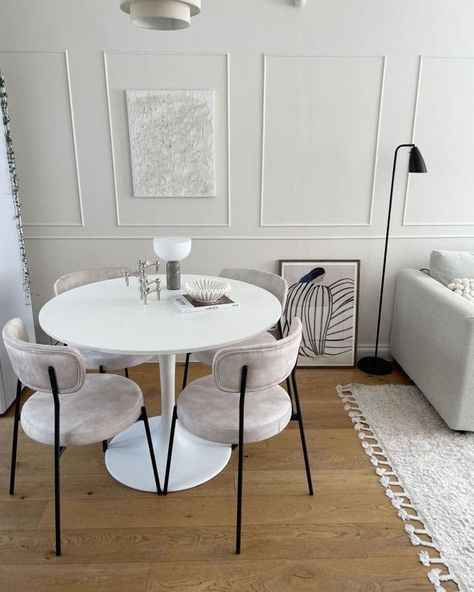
(172, 249)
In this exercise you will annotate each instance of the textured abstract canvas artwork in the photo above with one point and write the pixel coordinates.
(172, 144)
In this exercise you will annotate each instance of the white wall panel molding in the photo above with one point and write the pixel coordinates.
(77, 193)
(458, 202)
(118, 213)
(264, 238)
(369, 194)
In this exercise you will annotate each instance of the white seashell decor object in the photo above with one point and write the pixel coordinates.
(206, 289)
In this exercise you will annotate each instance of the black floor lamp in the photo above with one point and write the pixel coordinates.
(374, 364)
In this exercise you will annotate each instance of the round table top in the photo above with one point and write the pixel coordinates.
(108, 316)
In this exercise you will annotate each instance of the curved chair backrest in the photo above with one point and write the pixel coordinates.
(264, 279)
(31, 361)
(87, 276)
(267, 364)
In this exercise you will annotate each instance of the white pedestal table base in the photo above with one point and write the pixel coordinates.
(194, 461)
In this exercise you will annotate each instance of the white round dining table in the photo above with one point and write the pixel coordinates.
(108, 316)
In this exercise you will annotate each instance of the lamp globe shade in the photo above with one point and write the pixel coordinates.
(416, 164)
(172, 248)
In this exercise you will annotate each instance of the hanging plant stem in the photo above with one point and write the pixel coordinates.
(14, 188)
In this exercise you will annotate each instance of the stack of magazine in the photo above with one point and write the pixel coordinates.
(187, 303)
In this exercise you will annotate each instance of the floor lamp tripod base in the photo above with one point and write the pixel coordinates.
(374, 365)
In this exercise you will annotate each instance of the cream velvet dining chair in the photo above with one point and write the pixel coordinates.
(242, 402)
(69, 408)
(97, 360)
(271, 282)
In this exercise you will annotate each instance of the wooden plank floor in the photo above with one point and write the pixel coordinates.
(346, 538)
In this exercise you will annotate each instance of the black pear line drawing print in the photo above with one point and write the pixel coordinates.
(326, 312)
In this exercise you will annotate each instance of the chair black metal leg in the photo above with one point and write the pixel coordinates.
(102, 369)
(170, 450)
(57, 458)
(302, 434)
(240, 474)
(16, 422)
(240, 479)
(125, 370)
(57, 494)
(57, 483)
(144, 418)
(186, 368)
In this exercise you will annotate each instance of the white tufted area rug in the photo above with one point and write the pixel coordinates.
(427, 471)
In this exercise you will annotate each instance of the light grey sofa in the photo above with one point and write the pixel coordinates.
(433, 341)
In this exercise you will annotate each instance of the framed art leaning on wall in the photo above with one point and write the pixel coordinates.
(324, 294)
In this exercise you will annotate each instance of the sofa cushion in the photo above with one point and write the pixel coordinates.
(446, 265)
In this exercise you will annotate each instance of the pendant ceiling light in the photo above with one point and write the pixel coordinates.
(164, 15)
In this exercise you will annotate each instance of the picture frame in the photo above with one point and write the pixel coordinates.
(324, 294)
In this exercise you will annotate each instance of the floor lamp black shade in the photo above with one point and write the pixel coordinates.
(416, 164)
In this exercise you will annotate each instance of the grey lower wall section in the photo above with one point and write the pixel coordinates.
(50, 258)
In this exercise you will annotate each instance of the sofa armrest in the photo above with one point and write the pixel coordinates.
(436, 296)
(433, 341)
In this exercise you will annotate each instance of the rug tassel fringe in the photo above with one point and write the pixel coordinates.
(427, 560)
(405, 516)
(409, 528)
(360, 425)
(379, 459)
(349, 408)
(358, 422)
(385, 482)
(371, 448)
(346, 388)
(381, 472)
(364, 436)
(415, 539)
(436, 576)
(375, 461)
(357, 416)
(397, 499)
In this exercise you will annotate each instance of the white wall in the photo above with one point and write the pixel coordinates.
(310, 104)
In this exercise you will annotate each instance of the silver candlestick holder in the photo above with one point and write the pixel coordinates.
(146, 286)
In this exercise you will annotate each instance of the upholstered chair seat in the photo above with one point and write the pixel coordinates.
(104, 406)
(97, 360)
(207, 356)
(204, 411)
(242, 402)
